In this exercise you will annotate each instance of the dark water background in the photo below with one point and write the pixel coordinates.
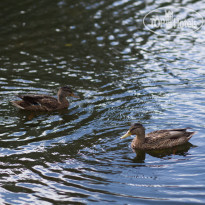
(123, 73)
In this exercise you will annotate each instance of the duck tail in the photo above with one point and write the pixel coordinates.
(190, 134)
(16, 104)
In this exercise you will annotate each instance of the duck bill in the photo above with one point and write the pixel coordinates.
(126, 135)
(74, 96)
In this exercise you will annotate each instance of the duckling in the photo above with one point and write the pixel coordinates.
(160, 139)
(45, 102)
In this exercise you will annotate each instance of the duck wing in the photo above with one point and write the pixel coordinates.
(169, 134)
(162, 139)
(45, 101)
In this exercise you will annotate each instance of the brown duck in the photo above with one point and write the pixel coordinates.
(45, 102)
(160, 139)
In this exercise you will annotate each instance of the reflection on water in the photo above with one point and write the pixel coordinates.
(182, 150)
(123, 73)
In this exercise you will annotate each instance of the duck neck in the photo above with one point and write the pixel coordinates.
(62, 98)
(140, 137)
(140, 140)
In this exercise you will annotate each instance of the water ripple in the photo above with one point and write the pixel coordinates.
(123, 73)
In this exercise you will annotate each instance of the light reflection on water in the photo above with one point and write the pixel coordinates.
(123, 74)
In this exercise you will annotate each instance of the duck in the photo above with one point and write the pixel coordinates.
(36, 102)
(159, 139)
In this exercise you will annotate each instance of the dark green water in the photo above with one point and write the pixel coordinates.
(123, 73)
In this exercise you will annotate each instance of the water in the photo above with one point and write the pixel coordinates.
(123, 73)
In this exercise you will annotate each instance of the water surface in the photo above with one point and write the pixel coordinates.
(123, 73)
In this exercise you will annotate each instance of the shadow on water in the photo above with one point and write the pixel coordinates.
(181, 150)
(30, 115)
(40, 126)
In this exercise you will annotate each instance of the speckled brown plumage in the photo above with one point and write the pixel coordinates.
(160, 139)
(44, 102)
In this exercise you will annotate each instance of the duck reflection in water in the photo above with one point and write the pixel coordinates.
(159, 143)
(181, 150)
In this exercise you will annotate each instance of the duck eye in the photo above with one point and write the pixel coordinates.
(132, 129)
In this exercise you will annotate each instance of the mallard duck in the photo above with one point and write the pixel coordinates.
(160, 139)
(45, 102)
